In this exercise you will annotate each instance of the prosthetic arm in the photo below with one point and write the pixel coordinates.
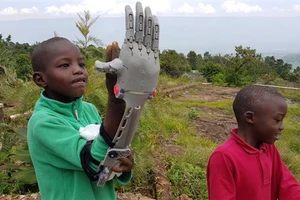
(137, 70)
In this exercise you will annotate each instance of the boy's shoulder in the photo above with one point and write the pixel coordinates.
(226, 147)
(233, 148)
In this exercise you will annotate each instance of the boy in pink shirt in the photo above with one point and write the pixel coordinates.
(248, 166)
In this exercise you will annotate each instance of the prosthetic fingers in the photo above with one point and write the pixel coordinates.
(137, 70)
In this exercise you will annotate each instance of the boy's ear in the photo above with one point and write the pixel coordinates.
(39, 80)
(249, 117)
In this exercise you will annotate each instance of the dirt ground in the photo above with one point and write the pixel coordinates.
(215, 127)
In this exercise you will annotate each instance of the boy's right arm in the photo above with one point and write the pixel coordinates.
(220, 178)
(288, 186)
(115, 107)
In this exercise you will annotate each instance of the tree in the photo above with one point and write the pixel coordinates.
(211, 69)
(192, 59)
(173, 63)
(282, 69)
(84, 24)
(243, 67)
(6, 55)
(207, 56)
(23, 66)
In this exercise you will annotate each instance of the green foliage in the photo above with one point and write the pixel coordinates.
(6, 55)
(193, 114)
(219, 79)
(173, 64)
(23, 173)
(239, 69)
(7, 138)
(84, 25)
(281, 68)
(19, 175)
(207, 56)
(188, 179)
(15, 57)
(193, 59)
(211, 69)
(278, 82)
(23, 66)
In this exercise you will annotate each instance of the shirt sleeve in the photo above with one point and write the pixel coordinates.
(64, 144)
(220, 179)
(288, 186)
(125, 178)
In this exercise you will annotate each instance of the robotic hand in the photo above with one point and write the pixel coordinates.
(137, 70)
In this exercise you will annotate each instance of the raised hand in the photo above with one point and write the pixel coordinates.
(137, 67)
(136, 70)
(112, 52)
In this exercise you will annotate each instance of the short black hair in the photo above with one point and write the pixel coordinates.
(39, 56)
(252, 98)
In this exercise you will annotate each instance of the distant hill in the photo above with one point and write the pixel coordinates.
(272, 35)
(293, 59)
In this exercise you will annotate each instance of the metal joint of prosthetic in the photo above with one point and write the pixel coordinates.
(137, 70)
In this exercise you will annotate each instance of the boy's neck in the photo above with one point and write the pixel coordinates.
(247, 136)
(60, 99)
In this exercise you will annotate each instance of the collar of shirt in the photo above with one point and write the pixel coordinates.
(72, 109)
(249, 149)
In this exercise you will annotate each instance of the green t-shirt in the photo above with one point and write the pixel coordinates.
(55, 144)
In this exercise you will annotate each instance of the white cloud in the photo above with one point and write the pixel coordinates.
(239, 7)
(51, 9)
(32, 10)
(157, 6)
(110, 7)
(279, 9)
(8, 11)
(207, 9)
(186, 8)
(201, 8)
(93, 6)
(13, 11)
(296, 7)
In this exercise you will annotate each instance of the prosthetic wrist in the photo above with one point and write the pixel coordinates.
(137, 70)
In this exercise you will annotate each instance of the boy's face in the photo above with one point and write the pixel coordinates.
(65, 75)
(268, 122)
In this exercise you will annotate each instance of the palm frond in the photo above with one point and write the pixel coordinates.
(95, 40)
(93, 21)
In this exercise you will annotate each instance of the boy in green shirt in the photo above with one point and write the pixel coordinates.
(65, 162)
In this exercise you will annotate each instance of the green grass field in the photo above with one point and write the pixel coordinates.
(166, 136)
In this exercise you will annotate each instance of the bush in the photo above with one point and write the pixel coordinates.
(219, 80)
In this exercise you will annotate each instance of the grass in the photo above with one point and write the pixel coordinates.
(165, 121)
(293, 95)
(289, 143)
(168, 120)
(225, 105)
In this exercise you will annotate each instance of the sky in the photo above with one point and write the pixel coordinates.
(32, 9)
